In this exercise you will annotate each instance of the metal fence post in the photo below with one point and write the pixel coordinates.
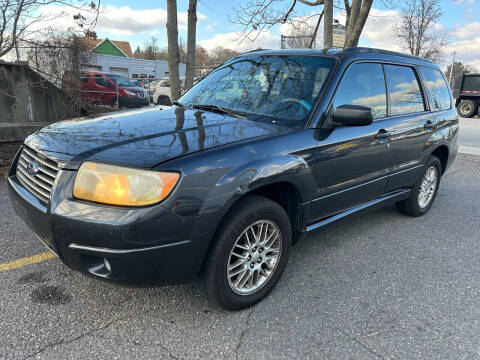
(116, 90)
(148, 91)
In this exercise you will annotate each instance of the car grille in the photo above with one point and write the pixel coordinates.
(37, 173)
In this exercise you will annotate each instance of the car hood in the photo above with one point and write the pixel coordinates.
(135, 89)
(143, 138)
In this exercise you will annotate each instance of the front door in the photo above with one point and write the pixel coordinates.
(352, 161)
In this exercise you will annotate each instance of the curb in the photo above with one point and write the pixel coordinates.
(469, 150)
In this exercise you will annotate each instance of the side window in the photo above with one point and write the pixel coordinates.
(404, 90)
(83, 78)
(438, 93)
(100, 80)
(363, 84)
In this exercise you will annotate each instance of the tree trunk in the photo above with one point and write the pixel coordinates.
(327, 24)
(358, 16)
(191, 43)
(314, 36)
(173, 53)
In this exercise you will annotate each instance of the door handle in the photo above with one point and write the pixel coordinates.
(383, 134)
(429, 125)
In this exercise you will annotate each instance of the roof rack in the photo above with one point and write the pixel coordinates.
(259, 49)
(386, 52)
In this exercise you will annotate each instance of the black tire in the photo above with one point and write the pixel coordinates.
(164, 100)
(245, 212)
(114, 103)
(467, 108)
(411, 206)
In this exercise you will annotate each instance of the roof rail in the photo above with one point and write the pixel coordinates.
(386, 52)
(249, 51)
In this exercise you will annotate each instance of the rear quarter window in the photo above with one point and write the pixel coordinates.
(437, 89)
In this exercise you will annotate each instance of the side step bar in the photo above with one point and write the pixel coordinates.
(392, 197)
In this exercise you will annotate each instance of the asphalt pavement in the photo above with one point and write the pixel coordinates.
(469, 136)
(381, 286)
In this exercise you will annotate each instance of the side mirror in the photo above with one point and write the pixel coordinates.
(353, 115)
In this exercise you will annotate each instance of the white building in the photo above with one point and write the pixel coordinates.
(130, 67)
(116, 57)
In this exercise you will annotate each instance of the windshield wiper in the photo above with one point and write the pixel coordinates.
(217, 108)
(178, 104)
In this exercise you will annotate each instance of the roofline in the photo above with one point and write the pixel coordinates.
(112, 42)
(337, 52)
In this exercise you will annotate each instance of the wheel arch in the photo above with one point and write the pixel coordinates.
(276, 192)
(442, 153)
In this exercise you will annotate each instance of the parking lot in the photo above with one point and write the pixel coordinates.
(379, 286)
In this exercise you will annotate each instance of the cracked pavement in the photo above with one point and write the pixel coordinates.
(380, 286)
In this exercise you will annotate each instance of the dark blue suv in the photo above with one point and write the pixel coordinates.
(269, 147)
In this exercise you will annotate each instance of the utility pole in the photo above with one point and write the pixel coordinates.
(451, 70)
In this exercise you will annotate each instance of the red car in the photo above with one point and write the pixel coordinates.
(101, 88)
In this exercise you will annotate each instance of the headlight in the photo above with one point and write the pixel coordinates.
(129, 92)
(117, 185)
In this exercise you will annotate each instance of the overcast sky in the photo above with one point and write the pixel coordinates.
(136, 21)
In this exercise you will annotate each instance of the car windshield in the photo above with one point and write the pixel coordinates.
(272, 88)
(121, 81)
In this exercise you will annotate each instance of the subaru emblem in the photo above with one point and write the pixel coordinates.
(32, 168)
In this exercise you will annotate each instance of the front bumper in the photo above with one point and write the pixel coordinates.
(139, 245)
(134, 101)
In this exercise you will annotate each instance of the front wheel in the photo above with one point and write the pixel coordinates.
(249, 254)
(424, 191)
(116, 103)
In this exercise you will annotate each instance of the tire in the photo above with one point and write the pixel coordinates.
(414, 206)
(261, 213)
(467, 108)
(164, 100)
(114, 103)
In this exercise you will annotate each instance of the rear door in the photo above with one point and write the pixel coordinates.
(103, 89)
(413, 124)
(352, 162)
(439, 98)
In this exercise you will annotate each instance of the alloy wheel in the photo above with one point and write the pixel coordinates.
(428, 187)
(254, 257)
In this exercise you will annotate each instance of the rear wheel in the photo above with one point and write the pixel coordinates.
(424, 191)
(467, 108)
(249, 255)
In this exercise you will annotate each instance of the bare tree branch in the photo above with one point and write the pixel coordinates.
(257, 16)
(416, 31)
(17, 16)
